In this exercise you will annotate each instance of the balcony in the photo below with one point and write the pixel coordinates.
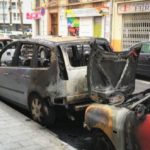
(52, 3)
(73, 1)
(80, 2)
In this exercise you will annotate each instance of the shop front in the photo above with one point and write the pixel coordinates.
(135, 22)
(35, 17)
(89, 21)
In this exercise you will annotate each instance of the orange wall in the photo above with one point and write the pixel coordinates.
(116, 44)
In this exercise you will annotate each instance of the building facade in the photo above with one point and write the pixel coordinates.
(10, 15)
(123, 23)
(45, 19)
(73, 17)
(131, 23)
(85, 18)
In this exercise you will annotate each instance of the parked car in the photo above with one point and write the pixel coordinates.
(144, 60)
(119, 120)
(4, 41)
(41, 73)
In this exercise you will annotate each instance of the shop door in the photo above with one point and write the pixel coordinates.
(136, 28)
(54, 24)
(86, 26)
(97, 27)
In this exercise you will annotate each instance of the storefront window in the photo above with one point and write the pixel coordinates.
(73, 26)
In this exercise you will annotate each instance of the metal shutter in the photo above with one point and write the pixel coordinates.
(136, 28)
(86, 26)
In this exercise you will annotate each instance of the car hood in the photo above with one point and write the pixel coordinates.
(111, 75)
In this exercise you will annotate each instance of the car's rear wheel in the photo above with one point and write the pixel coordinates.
(101, 142)
(41, 111)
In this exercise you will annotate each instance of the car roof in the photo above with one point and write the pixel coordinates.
(57, 39)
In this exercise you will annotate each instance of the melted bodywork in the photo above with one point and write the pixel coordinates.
(126, 128)
(124, 118)
(111, 73)
(53, 67)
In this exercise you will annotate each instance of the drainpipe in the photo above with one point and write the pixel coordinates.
(111, 20)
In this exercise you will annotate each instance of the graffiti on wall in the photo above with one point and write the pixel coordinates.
(73, 26)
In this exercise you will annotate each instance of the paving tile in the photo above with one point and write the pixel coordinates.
(18, 134)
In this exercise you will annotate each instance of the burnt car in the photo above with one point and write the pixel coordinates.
(41, 73)
(144, 60)
(119, 119)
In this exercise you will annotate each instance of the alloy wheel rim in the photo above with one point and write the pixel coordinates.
(36, 109)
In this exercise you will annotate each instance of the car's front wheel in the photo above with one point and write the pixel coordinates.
(101, 142)
(40, 110)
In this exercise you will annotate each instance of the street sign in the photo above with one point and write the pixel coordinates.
(42, 11)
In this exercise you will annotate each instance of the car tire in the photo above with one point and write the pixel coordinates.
(40, 111)
(100, 141)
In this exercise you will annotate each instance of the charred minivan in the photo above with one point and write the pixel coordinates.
(41, 73)
(119, 120)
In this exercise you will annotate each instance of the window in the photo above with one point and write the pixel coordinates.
(44, 56)
(13, 5)
(78, 54)
(8, 55)
(1, 45)
(3, 5)
(145, 48)
(18, 16)
(3, 17)
(37, 3)
(26, 54)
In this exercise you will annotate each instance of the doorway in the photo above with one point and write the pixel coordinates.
(97, 26)
(54, 24)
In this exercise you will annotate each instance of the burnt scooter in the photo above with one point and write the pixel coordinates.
(119, 120)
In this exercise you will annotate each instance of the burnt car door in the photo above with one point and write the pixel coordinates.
(75, 58)
(44, 72)
(18, 75)
(31, 71)
(144, 60)
(7, 60)
(21, 72)
(111, 76)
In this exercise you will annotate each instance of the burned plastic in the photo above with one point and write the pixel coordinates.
(111, 76)
(111, 80)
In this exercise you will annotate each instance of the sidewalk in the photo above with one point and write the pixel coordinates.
(18, 133)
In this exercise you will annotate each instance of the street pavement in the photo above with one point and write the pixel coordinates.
(141, 85)
(18, 132)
